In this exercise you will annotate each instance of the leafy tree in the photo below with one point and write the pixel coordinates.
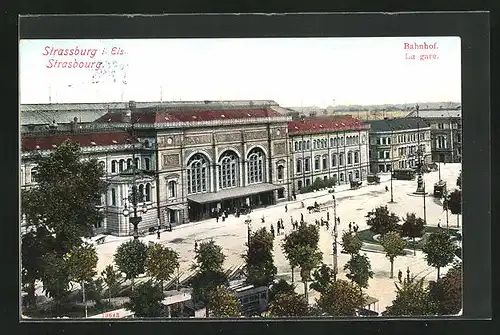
(341, 298)
(412, 299)
(146, 300)
(34, 245)
(288, 304)
(161, 263)
(223, 303)
(393, 246)
(112, 278)
(81, 262)
(209, 257)
(55, 278)
(439, 250)
(359, 270)
(322, 278)
(130, 258)
(454, 203)
(281, 287)
(459, 180)
(413, 227)
(94, 291)
(446, 292)
(65, 199)
(351, 243)
(381, 221)
(259, 259)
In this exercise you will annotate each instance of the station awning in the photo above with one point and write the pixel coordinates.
(233, 193)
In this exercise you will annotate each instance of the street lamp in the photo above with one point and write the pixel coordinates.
(392, 162)
(335, 235)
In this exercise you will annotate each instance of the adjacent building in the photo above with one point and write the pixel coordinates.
(327, 147)
(446, 133)
(394, 143)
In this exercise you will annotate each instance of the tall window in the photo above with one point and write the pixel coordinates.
(113, 166)
(308, 145)
(349, 158)
(441, 142)
(356, 174)
(147, 163)
(103, 166)
(148, 192)
(341, 176)
(141, 192)
(296, 144)
(172, 189)
(137, 165)
(113, 197)
(255, 166)
(129, 163)
(331, 142)
(281, 170)
(197, 174)
(316, 163)
(122, 165)
(440, 126)
(34, 172)
(307, 168)
(228, 173)
(341, 159)
(334, 160)
(325, 162)
(299, 166)
(299, 184)
(356, 157)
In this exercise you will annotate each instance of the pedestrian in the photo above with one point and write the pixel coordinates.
(278, 227)
(327, 225)
(195, 246)
(262, 218)
(170, 226)
(355, 228)
(272, 231)
(286, 208)
(400, 276)
(338, 219)
(327, 216)
(386, 188)
(302, 204)
(350, 226)
(301, 216)
(217, 217)
(158, 234)
(296, 224)
(291, 220)
(223, 217)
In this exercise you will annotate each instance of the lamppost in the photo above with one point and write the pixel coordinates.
(249, 231)
(334, 246)
(420, 180)
(446, 209)
(392, 166)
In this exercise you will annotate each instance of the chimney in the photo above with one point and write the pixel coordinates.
(74, 124)
(127, 116)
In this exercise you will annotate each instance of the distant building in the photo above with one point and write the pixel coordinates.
(394, 143)
(327, 147)
(446, 131)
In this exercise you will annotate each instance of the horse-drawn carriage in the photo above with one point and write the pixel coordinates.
(355, 184)
(439, 189)
(314, 208)
(373, 179)
(245, 209)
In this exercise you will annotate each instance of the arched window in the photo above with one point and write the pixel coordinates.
(299, 166)
(228, 172)
(331, 142)
(172, 189)
(137, 165)
(296, 146)
(197, 174)
(299, 184)
(148, 192)
(349, 158)
(113, 166)
(342, 141)
(316, 162)
(341, 159)
(281, 172)
(34, 172)
(325, 162)
(356, 174)
(255, 166)
(129, 163)
(307, 164)
(308, 144)
(141, 192)
(341, 176)
(334, 160)
(356, 157)
(102, 165)
(146, 144)
(122, 165)
(147, 163)
(314, 144)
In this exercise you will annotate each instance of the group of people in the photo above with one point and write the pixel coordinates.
(353, 227)
(280, 227)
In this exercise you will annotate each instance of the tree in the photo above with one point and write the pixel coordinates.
(111, 278)
(209, 257)
(459, 180)
(351, 243)
(34, 245)
(289, 304)
(280, 287)
(94, 291)
(81, 262)
(161, 263)
(413, 227)
(439, 250)
(130, 258)
(301, 248)
(341, 298)
(55, 278)
(412, 299)
(259, 259)
(146, 300)
(393, 246)
(223, 303)
(322, 278)
(67, 195)
(454, 203)
(381, 221)
(446, 292)
(359, 270)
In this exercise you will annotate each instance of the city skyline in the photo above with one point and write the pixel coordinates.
(291, 71)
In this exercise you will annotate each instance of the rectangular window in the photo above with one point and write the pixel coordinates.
(356, 157)
(440, 126)
(388, 140)
(386, 154)
(113, 197)
(299, 166)
(316, 163)
(308, 165)
(380, 155)
(325, 163)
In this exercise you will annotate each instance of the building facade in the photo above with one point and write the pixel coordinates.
(394, 143)
(446, 134)
(325, 148)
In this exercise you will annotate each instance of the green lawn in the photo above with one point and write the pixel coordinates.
(367, 236)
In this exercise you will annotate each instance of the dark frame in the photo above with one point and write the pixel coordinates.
(472, 27)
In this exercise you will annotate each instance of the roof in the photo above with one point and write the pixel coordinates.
(437, 113)
(153, 116)
(325, 124)
(397, 124)
(232, 193)
(50, 142)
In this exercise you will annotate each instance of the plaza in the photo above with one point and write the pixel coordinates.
(352, 206)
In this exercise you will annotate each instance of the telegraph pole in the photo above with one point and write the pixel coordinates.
(335, 255)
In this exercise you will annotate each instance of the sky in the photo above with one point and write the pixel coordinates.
(291, 71)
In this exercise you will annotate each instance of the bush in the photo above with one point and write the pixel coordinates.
(319, 184)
